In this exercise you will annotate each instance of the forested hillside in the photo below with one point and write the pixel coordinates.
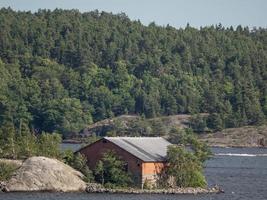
(62, 70)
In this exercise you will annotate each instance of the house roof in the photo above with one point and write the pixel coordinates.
(148, 149)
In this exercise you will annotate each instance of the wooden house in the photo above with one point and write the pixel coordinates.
(145, 157)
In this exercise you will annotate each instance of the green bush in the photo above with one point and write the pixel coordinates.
(147, 185)
(78, 162)
(197, 179)
(187, 137)
(185, 167)
(111, 170)
(23, 143)
(6, 170)
(198, 123)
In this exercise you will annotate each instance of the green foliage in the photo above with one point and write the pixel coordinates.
(214, 122)
(8, 145)
(26, 141)
(198, 123)
(186, 137)
(110, 171)
(93, 138)
(62, 70)
(135, 126)
(185, 167)
(23, 143)
(147, 185)
(99, 172)
(146, 127)
(48, 145)
(6, 170)
(78, 162)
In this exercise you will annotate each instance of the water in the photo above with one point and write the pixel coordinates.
(241, 172)
(70, 146)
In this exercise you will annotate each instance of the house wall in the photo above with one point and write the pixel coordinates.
(151, 172)
(95, 151)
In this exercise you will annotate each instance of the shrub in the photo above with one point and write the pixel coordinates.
(187, 137)
(198, 123)
(214, 122)
(147, 185)
(6, 170)
(48, 145)
(111, 170)
(185, 167)
(79, 162)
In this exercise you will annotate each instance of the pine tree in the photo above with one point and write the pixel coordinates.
(8, 140)
(26, 141)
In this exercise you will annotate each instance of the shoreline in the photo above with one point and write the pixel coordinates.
(236, 146)
(181, 191)
(96, 188)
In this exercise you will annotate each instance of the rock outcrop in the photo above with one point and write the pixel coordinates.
(247, 136)
(45, 174)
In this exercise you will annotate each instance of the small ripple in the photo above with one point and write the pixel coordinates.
(241, 154)
(231, 167)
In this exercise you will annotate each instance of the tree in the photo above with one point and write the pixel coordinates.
(184, 167)
(215, 122)
(8, 140)
(7, 170)
(62, 69)
(198, 123)
(110, 170)
(26, 141)
(186, 137)
(100, 170)
(79, 162)
(48, 145)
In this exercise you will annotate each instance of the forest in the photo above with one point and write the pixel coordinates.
(62, 70)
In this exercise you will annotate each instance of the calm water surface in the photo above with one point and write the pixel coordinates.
(241, 172)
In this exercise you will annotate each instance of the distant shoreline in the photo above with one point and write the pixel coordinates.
(235, 146)
(210, 145)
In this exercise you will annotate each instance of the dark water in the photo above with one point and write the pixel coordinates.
(241, 172)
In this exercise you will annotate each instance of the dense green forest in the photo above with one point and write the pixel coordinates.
(62, 70)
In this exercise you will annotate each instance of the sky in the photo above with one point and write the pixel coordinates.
(177, 13)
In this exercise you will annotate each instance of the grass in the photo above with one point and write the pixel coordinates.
(6, 170)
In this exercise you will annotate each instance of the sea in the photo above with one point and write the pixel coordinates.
(240, 172)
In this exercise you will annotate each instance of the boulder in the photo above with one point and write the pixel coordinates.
(2, 186)
(94, 188)
(45, 174)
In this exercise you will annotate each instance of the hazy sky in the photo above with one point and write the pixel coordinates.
(174, 12)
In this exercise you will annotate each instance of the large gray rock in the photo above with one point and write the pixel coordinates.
(45, 174)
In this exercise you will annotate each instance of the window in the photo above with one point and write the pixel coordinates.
(125, 167)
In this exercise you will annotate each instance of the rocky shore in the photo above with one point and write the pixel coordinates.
(97, 188)
(46, 174)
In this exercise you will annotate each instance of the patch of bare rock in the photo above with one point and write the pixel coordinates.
(45, 174)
